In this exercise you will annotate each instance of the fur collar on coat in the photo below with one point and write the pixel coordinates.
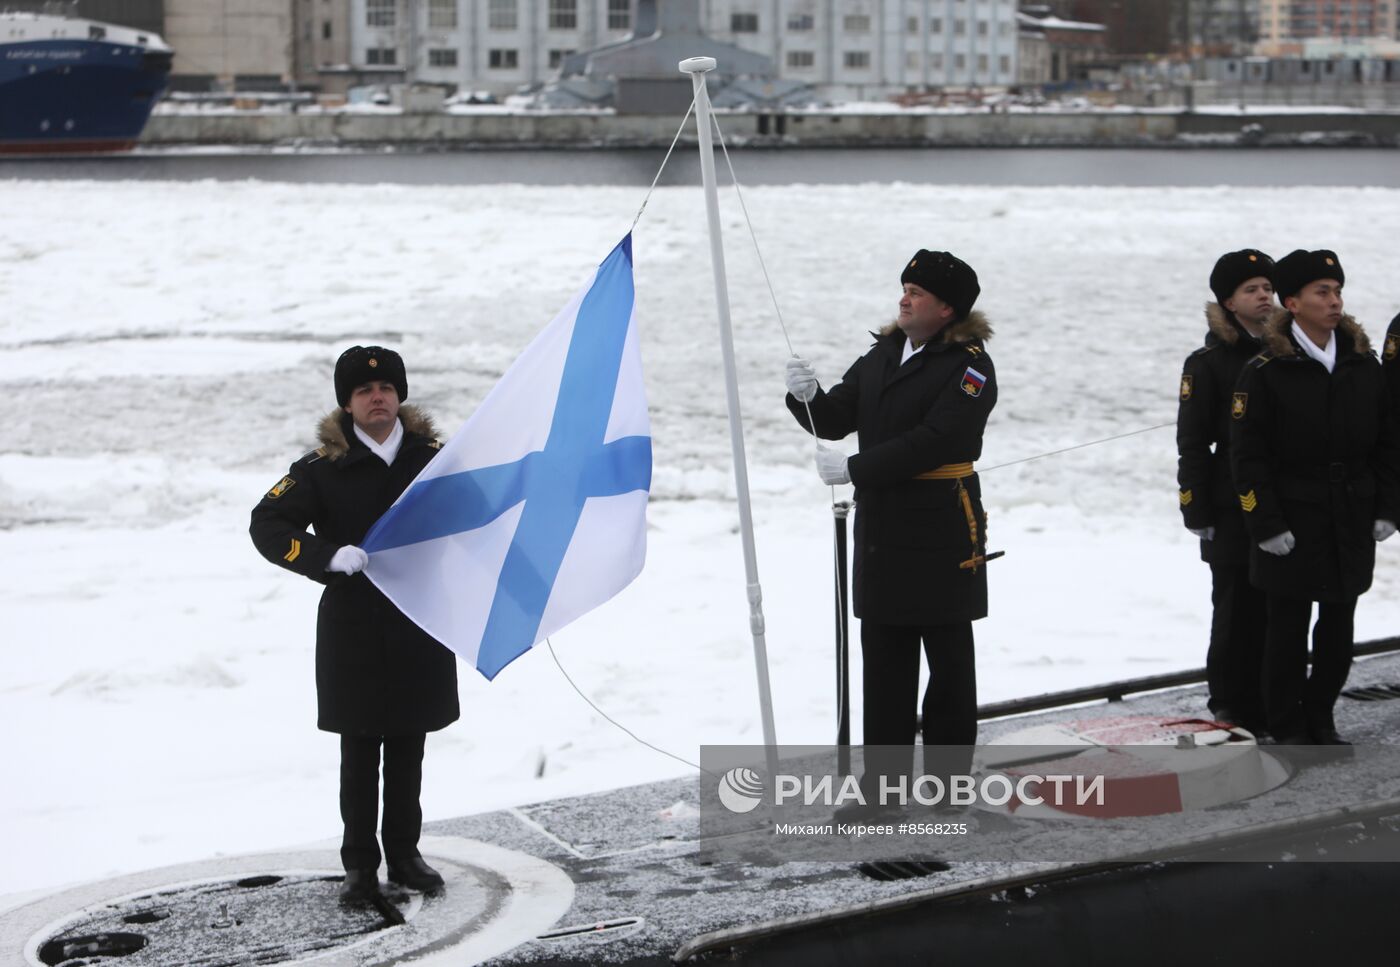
(1276, 334)
(331, 431)
(975, 326)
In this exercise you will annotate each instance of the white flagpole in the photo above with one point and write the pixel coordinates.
(697, 67)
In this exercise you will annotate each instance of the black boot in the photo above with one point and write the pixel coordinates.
(360, 886)
(415, 874)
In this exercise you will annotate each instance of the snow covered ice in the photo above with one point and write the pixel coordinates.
(168, 350)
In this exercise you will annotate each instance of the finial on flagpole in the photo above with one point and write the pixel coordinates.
(698, 65)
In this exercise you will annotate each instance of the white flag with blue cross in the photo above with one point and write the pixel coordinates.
(534, 513)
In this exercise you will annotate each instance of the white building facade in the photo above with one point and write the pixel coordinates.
(872, 49)
(480, 45)
(858, 49)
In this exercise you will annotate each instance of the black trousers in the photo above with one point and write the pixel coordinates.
(1235, 659)
(890, 662)
(1299, 703)
(359, 798)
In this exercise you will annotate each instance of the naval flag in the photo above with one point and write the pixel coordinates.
(535, 511)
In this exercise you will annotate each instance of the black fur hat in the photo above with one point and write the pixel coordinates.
(1298, 268)
(363, 364)
(1233, 269)
(946, 276)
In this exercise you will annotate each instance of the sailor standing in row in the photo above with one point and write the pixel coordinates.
(1244, 301)
(1317, 470)
(918, 402)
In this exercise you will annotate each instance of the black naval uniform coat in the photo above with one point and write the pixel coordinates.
(1314, 453)
(1390, 364)
(1206, 491)
(912, 536)
(1234, 659)
(377, 673)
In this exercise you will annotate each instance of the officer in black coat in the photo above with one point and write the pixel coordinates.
(918, 402)
(1244, 301)
(1317, 475)
(380, 679)
(1390, 361)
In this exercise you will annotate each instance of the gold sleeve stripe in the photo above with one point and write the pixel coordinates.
(1249, 501)
(294, 553)
(1185, 497)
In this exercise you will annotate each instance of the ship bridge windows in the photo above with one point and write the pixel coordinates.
(98, 33)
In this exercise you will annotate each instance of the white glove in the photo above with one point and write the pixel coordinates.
(1204, 533)
(1383, 529)
(348, 560)
(1279, 545)
(831, 466)
(801, 379)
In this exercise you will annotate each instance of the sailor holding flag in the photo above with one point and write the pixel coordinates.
(918, 402)
(381, 681)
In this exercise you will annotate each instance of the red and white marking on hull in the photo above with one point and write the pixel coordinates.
(1151, 765)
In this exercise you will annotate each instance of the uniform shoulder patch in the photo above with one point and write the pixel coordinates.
(972, 350)
(1187, 383)
(1262, 359)
(1202, 351)
(973, 382)
(435, 444)
(1239, 403)
(311, 456)
(281, 487)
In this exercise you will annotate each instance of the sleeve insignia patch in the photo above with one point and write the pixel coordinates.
(435, 444)
(1186, 382)
(1185, 497)
(283, 485)
(972, 382)
(1392, 346)
(1248, 502)
(1239, 405)
(294, 552)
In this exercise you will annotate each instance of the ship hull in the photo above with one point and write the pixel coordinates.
(64, 96)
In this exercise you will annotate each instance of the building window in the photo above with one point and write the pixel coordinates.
(503, 15)
(1004, 64)
(981, 63)
(442, 13)
(800, 59)
(619, 14)
(743, 23)
(935, 25)
(911, 60)
(911, 25)
(502, 59)
(556, 57)
(380, 13)
(935, 61)
(982, 26)
(960, 62)
(857, 60)
(381, 56)
(959, 28)
(563, 14)
(801, 21)
(325, 30)
(856, 23)
(442, 57)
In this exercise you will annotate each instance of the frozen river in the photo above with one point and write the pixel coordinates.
(1146, 167)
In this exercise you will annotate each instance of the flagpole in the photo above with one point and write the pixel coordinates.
(697, 67)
